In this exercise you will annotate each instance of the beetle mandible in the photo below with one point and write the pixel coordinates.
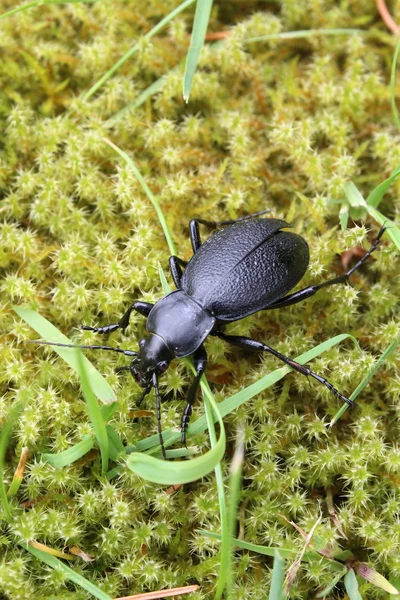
(247, 266)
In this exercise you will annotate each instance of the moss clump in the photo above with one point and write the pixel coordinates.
(280, 125)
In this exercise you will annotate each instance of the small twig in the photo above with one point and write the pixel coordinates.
(162, 593)
(387, 17)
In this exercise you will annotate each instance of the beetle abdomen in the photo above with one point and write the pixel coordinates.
(259, 272)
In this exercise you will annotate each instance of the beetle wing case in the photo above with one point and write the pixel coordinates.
(245, 267)
(181, 322)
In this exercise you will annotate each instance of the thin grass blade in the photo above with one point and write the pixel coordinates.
(200, 24)
(94, 411)
(392, 230)
(391, 348)
(18, 9)
(148, 192)
(160, 25)
(69, 573)
(332, 584)
(393, 85)
(233, 495)
(5, 436)
(377, 193)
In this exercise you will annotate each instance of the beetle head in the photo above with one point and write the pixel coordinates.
(153, 357)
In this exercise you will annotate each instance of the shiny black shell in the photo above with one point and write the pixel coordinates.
(245, 267)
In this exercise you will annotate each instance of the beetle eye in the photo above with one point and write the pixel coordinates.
(162, 366)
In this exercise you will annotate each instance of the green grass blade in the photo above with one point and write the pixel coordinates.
(234, 494)
(50, 333)
(377, 193)
(392, 230)
(174, 473)
(115, 445)
(62, 459)
(332, 584)
(200, 23)
(5, 436)
(271, 551)
(152, 89)
(230, 404)
(94, 411)
(148, 192)
(18, 9)
(304, 33)
(391, 348)
(393, 85)
(69, 573)
(351, 585)
(278, 573)
(353, 195)
(344, 216)
(135, 48)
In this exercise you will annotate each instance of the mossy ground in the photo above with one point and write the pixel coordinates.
(280, 125)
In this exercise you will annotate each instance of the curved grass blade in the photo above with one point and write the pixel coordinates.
(115, 445)
(200, 23)
(271, 551)
(332, 584)
(169, 473)
(135, 48)
(94, 411)
(393, 85)
(69, 573)
(18, 9)
(392, 230)
(377, 193)
(148, 192)
(391, 348)
(62, 459)
(304, 33)
(5, 436)
(48, 331)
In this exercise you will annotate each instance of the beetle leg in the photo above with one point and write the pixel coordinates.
(249, 344)
(158, 410)
(175, 266)
(313, 289)
(200, 362)
(143, 308)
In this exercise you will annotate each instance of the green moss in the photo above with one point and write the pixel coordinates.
(279, 125)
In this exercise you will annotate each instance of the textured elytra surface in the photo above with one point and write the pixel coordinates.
(245, 267)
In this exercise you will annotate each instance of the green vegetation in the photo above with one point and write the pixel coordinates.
(102, 164)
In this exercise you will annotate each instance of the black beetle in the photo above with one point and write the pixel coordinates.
(241, 269)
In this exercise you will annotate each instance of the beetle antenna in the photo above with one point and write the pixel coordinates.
(83, 347)
(158, 409)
